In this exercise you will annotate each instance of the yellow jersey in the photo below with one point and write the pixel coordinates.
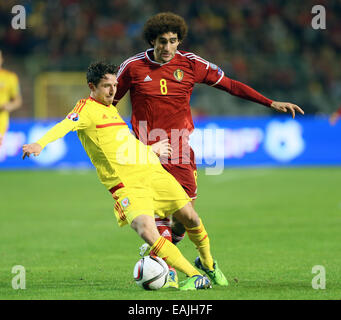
(9, 89)
(117, 155)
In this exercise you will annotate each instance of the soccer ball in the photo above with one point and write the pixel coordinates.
(151, 273)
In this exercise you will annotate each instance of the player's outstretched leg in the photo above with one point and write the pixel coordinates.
(164, 228)
(145, 226)
(198, 235)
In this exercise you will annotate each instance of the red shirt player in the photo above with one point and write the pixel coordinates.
(161, 81)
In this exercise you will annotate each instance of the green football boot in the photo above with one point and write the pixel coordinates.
(196, 282)
(172, 281)
(216, 275)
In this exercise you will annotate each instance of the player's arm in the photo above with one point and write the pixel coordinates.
(73, 121)
(56, 132)
(212, 75)
(243, 91)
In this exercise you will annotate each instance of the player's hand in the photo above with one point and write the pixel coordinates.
(28, 149)
(286, 107)
(162, 148)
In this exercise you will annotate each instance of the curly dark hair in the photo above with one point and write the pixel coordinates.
(97, 70)
(162, 23)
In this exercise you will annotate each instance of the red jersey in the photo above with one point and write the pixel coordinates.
(160, 94)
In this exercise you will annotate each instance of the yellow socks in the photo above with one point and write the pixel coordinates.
(173, 257)
(199, 237)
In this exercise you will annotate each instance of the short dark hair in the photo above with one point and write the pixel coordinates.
(162, 23)
(97, 70)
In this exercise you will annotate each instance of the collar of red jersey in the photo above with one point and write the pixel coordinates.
(152, 61)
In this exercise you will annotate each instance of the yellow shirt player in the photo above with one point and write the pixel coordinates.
(10, 97)
(133, 174)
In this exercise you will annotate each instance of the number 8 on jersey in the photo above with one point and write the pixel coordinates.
(163, 86)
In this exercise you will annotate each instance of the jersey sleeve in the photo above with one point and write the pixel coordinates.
(124, 80)
(79, 116)
(243, 91)
(209, 73)
(206, 72)
(77, 119)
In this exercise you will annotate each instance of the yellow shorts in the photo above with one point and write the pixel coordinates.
(162, 195)
(4, 122)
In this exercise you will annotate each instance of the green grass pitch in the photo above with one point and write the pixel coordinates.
(268, 229)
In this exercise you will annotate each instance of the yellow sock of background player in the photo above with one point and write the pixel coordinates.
(172, 256)
(199, 237)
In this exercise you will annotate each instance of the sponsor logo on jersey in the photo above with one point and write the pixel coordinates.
(178, 74)
(125, 203)
(220, 72)
(73, 116)
(147, 78)
(105, 116)
(213, 66)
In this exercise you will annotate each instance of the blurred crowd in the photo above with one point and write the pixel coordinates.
(269, 45)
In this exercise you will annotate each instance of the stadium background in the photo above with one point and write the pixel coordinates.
(269, 45)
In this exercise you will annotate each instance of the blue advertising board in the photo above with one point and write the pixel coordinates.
(217, 142)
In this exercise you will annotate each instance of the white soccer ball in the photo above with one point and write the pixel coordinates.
(151, 273)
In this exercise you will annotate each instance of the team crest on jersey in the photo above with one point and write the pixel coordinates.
(178, 74)
(73, 116)
(125, 202)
